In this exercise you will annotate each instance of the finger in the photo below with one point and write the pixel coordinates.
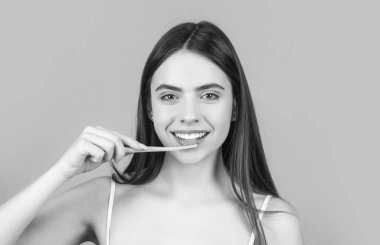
(131, 142)
(118, 143)
(105, 144)
(95, 153)
(125, 140)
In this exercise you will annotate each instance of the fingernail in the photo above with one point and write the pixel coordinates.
(143, 146)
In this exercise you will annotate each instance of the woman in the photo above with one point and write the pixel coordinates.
(193, 90)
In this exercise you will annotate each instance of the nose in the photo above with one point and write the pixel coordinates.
(189, 114)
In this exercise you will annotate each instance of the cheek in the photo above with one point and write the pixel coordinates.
(220, 118)
(162, 118)
(163, 114)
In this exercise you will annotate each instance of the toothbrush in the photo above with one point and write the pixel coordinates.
(158, 149)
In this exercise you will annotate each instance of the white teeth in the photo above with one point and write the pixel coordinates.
(189, 136)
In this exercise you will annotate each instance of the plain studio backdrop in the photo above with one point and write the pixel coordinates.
(311, 68)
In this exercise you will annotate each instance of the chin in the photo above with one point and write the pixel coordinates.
(190, 156)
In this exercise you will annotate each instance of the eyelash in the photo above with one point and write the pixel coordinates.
(215, 95)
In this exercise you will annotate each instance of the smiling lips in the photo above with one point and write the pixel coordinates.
(189, 137)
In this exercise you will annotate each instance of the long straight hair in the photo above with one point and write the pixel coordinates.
(242, 151)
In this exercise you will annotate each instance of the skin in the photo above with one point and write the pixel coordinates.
(191, 199)
(197, 174)
(190, 202)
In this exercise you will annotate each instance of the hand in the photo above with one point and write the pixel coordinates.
(94, 147)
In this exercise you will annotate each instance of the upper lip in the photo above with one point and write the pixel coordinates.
(189, 131)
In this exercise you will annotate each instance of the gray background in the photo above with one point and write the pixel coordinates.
(310, 66)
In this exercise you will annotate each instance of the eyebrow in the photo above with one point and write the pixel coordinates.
(200, 88)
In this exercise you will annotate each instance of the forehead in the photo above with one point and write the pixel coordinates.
(187, 70)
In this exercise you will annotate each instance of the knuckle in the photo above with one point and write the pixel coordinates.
(85, 135)
(101, 154)
(122, 150)
(82, 142)
(98, 159)
(88, 128)
(115, 138)
(119, 142)
(109, 147)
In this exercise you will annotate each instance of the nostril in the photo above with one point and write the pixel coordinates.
(189, 120)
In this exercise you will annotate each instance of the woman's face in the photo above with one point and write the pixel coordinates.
(191, 96)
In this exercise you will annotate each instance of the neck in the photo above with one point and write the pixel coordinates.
(205, 180)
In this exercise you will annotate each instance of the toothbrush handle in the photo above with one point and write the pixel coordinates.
(158, 149)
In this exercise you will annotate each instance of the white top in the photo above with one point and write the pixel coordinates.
(110, 205)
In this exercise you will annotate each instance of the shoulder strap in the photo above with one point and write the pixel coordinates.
(251, 239)
(109, 212)
(264, 206)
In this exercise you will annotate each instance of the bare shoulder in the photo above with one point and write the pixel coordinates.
(84, 195)
(284, 225)
(92, 188)
(88, 198)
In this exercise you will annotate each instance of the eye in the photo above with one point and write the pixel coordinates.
(168, 97)
(211, 96)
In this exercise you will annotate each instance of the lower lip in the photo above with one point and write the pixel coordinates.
(190, 141)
